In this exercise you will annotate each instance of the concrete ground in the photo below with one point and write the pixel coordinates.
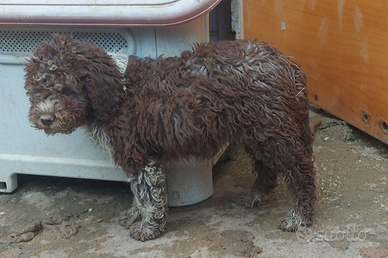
(58, 217)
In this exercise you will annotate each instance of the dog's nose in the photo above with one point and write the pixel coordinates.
(47, 120)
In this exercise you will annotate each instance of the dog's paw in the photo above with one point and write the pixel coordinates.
(144, 231)
(249, 199)
(292, 222)
(130, 217)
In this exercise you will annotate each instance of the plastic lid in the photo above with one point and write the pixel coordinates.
(102, 13)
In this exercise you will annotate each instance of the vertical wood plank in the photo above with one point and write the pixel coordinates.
(342, 47)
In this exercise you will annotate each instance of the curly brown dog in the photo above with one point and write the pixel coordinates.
(177, 108)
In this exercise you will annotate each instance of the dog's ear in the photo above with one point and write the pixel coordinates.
(102, 81)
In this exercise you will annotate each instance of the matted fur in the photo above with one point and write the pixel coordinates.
(176, 108)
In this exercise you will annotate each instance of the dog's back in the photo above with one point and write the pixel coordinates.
(195, 103)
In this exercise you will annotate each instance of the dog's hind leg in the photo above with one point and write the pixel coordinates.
(301, 182)
(289, 155)
(265, 181)
(147, 218)
(292, 158)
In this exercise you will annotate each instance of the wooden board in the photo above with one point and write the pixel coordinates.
(342, 47)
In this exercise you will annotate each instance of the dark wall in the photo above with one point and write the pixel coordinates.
(220, 22)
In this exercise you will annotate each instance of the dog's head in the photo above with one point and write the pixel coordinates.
(70, 83)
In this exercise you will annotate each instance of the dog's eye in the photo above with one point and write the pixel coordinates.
(67, 91)
(33, 93)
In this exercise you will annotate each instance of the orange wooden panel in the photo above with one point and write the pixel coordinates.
(343, 48)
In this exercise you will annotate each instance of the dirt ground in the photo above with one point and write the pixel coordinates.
(58, 217)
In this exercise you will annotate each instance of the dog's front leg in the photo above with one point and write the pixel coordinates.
(147, 218)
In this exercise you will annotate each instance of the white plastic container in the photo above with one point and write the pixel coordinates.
(102, 13)
(24, 150)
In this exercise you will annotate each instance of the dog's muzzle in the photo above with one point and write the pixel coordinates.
(47, 120)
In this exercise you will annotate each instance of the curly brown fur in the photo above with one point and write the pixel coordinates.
(176, 108)
(147, 218)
